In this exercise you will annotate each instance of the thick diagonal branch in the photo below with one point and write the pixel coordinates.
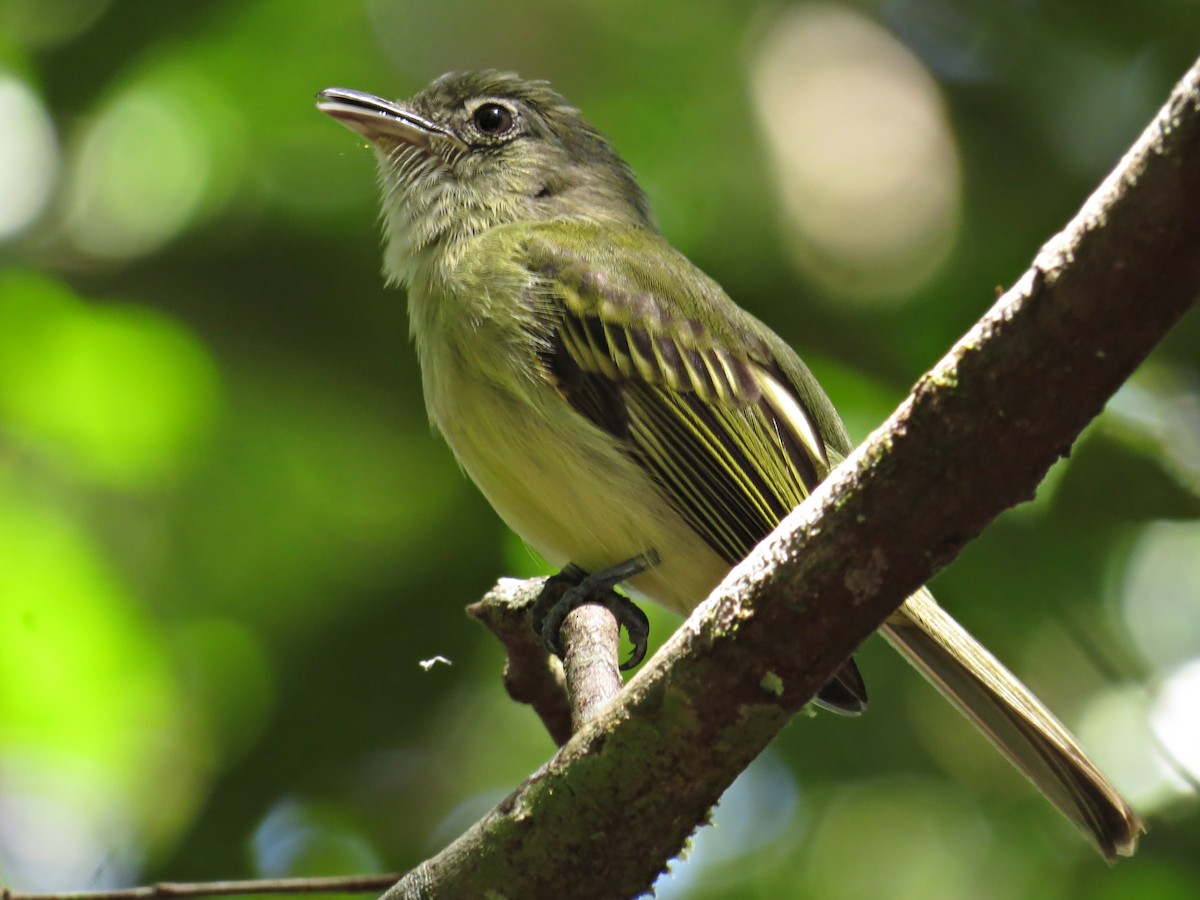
(974, 438)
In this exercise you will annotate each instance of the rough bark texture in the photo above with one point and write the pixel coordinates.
(591, 640)
(974, 438)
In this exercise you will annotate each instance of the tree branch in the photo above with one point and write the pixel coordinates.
(975, 437)
(164, 889)
(591, 640)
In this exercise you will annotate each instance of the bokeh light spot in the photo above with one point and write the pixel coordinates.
(123, 392)
(63, 823)
(1158, 411)
(1161, 594)
(303, 839)
(1115, 729)
(157, 155)
(1176, 719)
(865, 160)
(90, 710)
(28, 157)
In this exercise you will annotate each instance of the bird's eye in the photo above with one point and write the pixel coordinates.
(493, 120)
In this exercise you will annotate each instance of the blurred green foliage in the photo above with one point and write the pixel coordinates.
(227, 537)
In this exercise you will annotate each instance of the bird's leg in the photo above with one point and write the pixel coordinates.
(573, 587)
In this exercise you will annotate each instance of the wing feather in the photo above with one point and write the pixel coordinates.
(720, 431)
(716, 423)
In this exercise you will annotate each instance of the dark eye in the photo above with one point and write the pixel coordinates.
(493, 119)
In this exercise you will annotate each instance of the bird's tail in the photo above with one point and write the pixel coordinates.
(1014, 721)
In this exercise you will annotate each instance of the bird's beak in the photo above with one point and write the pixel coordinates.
(383, 121)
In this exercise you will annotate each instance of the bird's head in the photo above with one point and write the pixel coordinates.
(477, 150)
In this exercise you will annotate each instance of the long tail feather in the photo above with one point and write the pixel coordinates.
(1014, 721)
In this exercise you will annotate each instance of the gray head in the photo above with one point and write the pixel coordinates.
(479, 149)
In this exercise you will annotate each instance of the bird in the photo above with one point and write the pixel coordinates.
(619, 411)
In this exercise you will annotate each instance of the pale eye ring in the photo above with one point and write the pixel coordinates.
(492, 119)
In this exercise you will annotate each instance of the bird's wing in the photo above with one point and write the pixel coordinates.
(712, 420)
(650, 350)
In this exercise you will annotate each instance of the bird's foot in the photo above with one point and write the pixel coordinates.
(573, 587)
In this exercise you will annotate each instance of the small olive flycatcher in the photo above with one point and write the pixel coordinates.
(613, 404)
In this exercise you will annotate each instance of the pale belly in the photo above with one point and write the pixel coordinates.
(566, 489)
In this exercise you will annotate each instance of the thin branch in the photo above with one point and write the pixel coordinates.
(591, 638)
(975, 437)
(343, 885)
